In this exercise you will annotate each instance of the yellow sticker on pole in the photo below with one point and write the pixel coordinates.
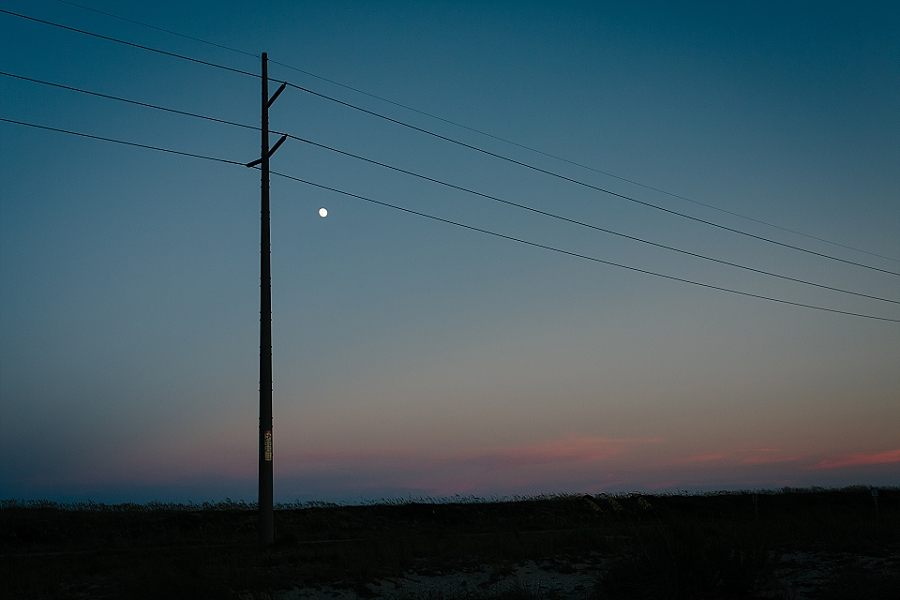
(267, 446)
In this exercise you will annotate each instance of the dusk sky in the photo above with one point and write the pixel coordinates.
(416, 358)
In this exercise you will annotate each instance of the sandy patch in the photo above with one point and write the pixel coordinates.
(561, 579)
(797, 576)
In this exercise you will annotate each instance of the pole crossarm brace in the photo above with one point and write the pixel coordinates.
(271, 152)
(269, 103)
(277, 144)
(276, 94)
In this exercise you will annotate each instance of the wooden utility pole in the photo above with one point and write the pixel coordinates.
(266, 506)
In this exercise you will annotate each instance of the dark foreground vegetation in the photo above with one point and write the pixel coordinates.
(708, 546)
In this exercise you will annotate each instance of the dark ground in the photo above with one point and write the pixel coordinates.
(790, 544)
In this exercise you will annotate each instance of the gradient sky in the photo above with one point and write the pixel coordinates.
(414, 358)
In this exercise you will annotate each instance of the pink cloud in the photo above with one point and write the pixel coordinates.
(574, 456)
(472, 470)
(739, 456)
(571, 449)
(771, 456)
(699, 458)
(572, 462)
(862, 458)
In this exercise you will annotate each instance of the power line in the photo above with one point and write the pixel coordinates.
(472, 147)
(462, 225)
(588, 225)
(582, 165)
(454, 186)
(123, 142)
(132, 44)
(486, 134)
(578, 164)
(169, 31)
(457, 187)
(129, 101)
(584, 184)
(575, 254)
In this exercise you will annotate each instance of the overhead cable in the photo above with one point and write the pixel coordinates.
(577, 255)
(454, 186)
(578, 164)
(486, 134)
(583, 224)
(129, 101)
(463, 225)
(123, 142)
(169, 31)
(584, 184)
(132, 44)
(470, 146)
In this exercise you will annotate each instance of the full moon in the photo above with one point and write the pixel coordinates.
(323, 213)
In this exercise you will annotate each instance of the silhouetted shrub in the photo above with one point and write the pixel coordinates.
(686, 563)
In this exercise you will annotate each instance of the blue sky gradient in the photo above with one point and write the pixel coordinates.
(415, 358)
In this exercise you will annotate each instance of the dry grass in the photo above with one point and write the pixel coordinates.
(668, 546)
